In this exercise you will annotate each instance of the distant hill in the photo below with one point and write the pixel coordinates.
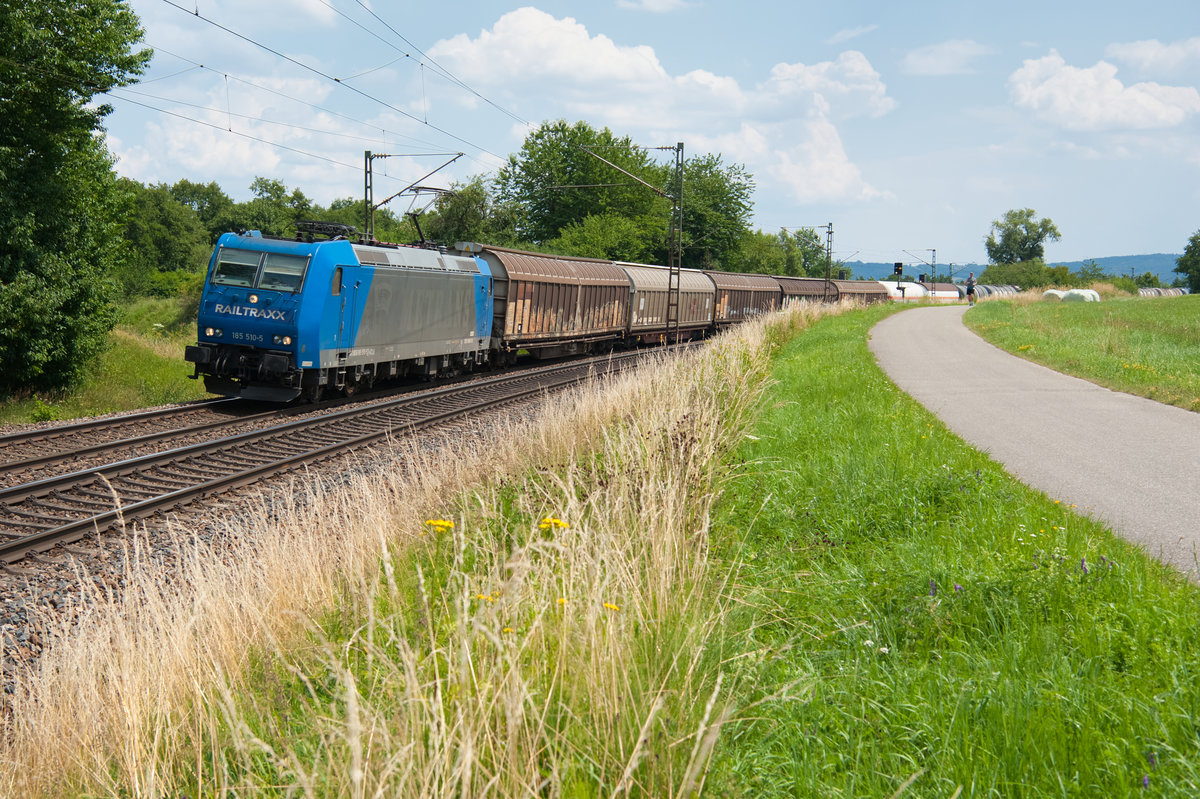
(1161, 264)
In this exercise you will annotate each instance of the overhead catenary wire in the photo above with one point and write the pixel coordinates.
(285, 96)
(438, 68)
(122, 92)
(238, 133)
(329, 77)
(116, 93)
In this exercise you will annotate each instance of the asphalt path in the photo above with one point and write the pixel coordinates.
(1131, 462)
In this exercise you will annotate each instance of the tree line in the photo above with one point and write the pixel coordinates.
(1016, 247)
(79, 239)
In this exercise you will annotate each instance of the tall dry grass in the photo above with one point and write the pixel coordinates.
(562, 637)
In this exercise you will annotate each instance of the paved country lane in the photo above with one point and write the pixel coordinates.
(1131, 462)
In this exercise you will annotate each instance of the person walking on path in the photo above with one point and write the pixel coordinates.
(971, 289)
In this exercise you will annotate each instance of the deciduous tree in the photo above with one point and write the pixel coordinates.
(60, 208)
(167, 242)
(1019, 237)
(557, 181)
(1188, 264)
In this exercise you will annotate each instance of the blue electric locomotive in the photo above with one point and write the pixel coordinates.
(279, 319)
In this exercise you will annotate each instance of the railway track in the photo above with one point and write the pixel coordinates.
(46, 450)
(60, 510)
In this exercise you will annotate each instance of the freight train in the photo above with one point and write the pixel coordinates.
(281, 318)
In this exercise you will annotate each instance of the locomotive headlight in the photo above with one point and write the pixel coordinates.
(284, 340)
(253, 298)
(212, 332)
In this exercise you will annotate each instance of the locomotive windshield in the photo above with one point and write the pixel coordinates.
(259, 270)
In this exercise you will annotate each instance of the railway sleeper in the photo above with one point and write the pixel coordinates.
(137, 491)
(32, 514)
(87, 507)
(166, 482)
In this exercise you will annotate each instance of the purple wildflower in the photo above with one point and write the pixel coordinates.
(1152, 759)
(1083, 564)
(932, 588)
(957, 588)
(1145, 780)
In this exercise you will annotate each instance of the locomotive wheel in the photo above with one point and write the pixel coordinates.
(312, 394)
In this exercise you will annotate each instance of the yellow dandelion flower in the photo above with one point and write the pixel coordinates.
(508, 629)
(562, 600)
(480, 596)
(611, 606)
(551, 522)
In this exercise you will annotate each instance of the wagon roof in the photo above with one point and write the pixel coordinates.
(860, 287)
(802, 284)
(557, 268)
(734, 280)
(657, 278)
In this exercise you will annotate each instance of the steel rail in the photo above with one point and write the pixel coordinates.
(124, 443)
(43, 433)
(552, 378)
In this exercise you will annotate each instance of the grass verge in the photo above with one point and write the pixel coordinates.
(1144, 346)
(877, 610)
(142, 367)
(952, 632)
(533, 619)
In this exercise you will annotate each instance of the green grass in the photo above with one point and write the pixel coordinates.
(932, 616)
(1144, 346)
(142, 367)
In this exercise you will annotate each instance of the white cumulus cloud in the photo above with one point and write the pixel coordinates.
(816, 168)
(1153, 56)
(850, 33)
(849, 81)
(953, 57)
(528, 45)
(1094, 99)
(783, 126)
(653, 6)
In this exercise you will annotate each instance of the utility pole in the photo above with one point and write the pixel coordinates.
(828, 260)
(369, 195)
(369, 204)
(675, 256)
(675, 235)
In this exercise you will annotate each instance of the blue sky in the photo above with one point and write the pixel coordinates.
(908, 126)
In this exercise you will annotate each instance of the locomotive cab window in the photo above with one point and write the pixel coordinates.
(259, 270)
(236, 268)
(282, 272)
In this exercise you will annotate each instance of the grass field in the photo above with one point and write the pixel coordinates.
(937, 620)
(762, 572)
(1140, 345)
(142, 367)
